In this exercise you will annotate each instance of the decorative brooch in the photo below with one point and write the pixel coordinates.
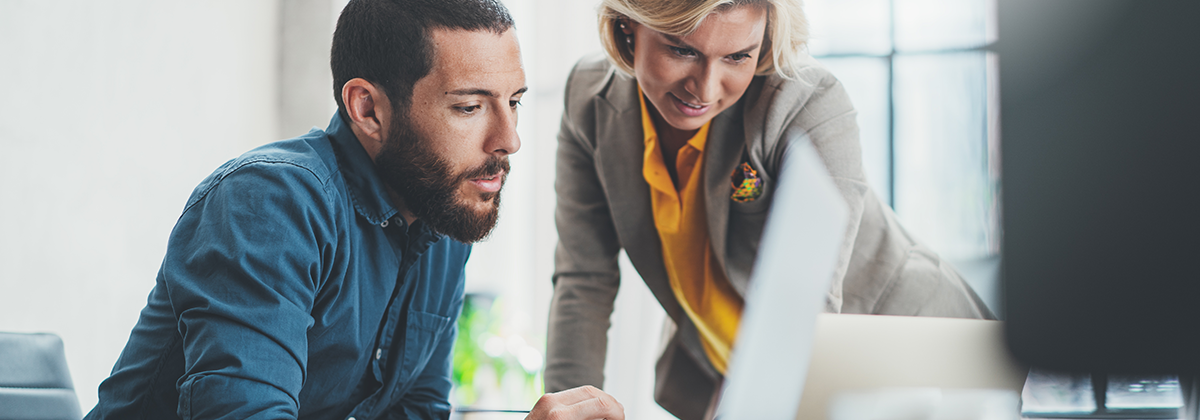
(747, 186)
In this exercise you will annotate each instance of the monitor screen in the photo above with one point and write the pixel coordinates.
(1100, 142)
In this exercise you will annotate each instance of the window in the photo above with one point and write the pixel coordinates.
(921, 74)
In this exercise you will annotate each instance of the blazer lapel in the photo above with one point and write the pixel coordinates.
(722, 153)
(620, 148)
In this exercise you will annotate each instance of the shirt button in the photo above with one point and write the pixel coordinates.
(384, 224)
(378, 353)
(350, 418)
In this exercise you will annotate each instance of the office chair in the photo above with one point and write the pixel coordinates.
(34, 381)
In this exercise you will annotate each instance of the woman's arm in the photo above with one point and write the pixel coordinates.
(881, 269)
(827, 119)
(586, 275)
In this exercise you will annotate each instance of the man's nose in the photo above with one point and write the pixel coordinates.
(503, 139)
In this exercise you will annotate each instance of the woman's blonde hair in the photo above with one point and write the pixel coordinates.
(783, 40)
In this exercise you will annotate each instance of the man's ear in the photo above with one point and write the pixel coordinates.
(369, 111)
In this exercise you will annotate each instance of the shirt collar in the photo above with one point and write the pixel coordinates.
(367, 190)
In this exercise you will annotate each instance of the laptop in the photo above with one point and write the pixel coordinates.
(861, 354)
(783, 328)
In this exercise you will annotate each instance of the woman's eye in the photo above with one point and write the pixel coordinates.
(737, 58)
(682, 52)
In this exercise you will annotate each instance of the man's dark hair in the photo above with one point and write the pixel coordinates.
(386, 42)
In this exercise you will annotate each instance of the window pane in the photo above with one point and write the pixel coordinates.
(923, 25)
(944, 189)
(849, 26)
(866, 80)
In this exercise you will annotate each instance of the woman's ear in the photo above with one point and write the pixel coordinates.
(369, 111)
(626, 26)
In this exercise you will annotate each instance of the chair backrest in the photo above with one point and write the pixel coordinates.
(35, 383)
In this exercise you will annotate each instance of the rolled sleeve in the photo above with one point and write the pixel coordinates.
(242, 271)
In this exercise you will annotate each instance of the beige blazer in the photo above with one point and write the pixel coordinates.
(604, 206)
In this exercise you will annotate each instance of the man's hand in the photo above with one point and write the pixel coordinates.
(583, 403)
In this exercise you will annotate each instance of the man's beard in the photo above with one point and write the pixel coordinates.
(430, 190)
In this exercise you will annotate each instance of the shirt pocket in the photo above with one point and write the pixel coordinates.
(758, 206)
(746, 222)
(420, 340)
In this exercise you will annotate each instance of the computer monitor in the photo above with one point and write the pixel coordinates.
(1100, 141)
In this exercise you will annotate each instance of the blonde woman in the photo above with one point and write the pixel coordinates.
(669, 149)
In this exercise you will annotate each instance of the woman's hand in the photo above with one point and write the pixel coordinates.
(582, 403)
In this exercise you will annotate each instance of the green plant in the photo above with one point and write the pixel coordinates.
(482, 344)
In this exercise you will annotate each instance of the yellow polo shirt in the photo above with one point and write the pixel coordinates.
(696, 278)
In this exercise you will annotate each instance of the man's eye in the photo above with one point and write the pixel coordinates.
(514, 104)
(682, 52)
(468, 109)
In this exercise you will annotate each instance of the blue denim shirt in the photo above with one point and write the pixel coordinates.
(291, 288)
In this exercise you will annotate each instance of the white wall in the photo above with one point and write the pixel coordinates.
(110, 113)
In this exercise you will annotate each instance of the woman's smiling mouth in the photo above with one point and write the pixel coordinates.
(687, 108)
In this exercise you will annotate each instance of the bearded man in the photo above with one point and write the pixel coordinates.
(320, 277)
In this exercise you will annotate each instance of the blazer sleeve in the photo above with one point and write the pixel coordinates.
(881, 268)
(826, 118)
(586, 273)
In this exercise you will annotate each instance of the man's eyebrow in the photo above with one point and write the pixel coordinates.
(483, 92)
(473, 91)
(679, 43)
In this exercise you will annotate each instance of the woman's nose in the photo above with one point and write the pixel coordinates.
(704, 85)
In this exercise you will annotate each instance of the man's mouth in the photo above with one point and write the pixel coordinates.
(489, 183)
